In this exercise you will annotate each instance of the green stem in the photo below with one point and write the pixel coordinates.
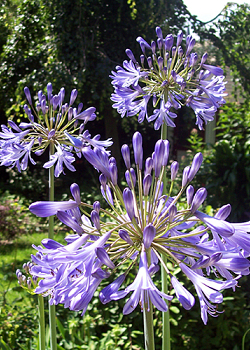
(243, 339)
(52, 310)
(41, 322)
(148, 316)
(166, 345)
(148, 327)
(51, 194)
(165, 315)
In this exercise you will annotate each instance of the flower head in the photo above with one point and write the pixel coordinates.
(169, 77)
(136, 231)
(51, 124)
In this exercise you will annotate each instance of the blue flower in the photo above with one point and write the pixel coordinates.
(207, 290)
(144, 291)
(141, 225)
(169, 78)
(57, 125)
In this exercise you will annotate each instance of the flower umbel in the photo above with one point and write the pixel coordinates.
(50, 123)
(169, 77)
(141, 225)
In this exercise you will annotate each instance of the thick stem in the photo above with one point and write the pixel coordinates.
(41, 322)
(165, 315)
(166, 345)
(52, 311)
(148, 327)
(51, 194)
(148, 316)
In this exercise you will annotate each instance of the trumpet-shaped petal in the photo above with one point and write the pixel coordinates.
(144, 290)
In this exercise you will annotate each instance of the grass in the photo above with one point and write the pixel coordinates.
(13, 255)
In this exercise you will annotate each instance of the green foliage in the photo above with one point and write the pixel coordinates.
(228, 168)
(15, 218)
(230, 34)
(17, 323)
(225, 171)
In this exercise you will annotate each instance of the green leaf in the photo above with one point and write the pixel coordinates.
(61, 328)
(4, 346)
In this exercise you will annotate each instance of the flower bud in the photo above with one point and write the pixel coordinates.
(195, 166)
(223, 212)
(189, 193)
(159, 43)
(180, 51)
(126, 155)
(159, 32)
(130, 175)
(107, 194)
(130, 55)
(160, 62)
(153, 46)
(190, 46)
(172, 213)
(169, 40)
(150, 62)
(147, 181)
(198, 199)
(204, 58)
(193, 59)
(174, 170)
(97, 206)
(55, 101)
(159, 156)
(73, 97)
(51, 134)
(103, 180)
(143, 44)
(95, 219)
(179, 38)
(185, 176)
(129, 202)
(149, 233)
(27, 94)
(49, 90)
(148, 166)
(113, 173)
(61, 96)
(138, 151)
(142, 58)
(125, 236)
(75, 191)
(104, 257)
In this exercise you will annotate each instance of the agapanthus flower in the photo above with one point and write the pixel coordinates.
(51, 124)
(142, 225)
(167, 77)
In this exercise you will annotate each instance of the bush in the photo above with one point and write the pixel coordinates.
(15, 218)
(226, 166)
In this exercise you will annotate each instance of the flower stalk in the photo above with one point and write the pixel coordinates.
(148, 327)
(104, 240)
(52, 308)
(166, 343)
(41, 323)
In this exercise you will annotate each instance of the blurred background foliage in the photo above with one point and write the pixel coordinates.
(76, 44)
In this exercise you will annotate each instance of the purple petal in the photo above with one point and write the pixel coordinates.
(44, 209)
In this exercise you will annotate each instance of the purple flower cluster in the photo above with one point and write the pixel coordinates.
(51, 122)
(142, 225)
(170, 77)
